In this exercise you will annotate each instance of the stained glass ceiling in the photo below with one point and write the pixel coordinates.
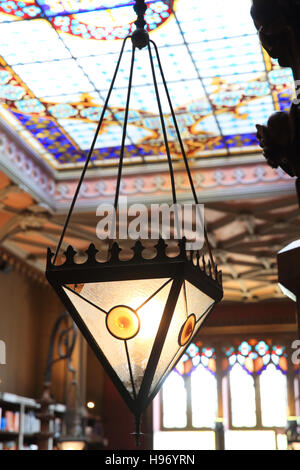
(57, 58)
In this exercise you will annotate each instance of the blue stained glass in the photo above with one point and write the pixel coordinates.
(275, 359)
(218, 80)
(232, 360)
(266, 359)
(244, 348)
(185, 358)
(229, 351)
(257, 89)
(53, 7)
(241, 140)
(30, 106)
(5, 76)
(280, 76)
(241, 359)
(48, 134)
(208, 352)
(11, 92)
(62, 111)
(278, 350)
(204, 361)
(192, 350)
(196, 361)
(262, 348)
(284, 100)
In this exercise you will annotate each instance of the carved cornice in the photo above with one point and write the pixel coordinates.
(9, 260)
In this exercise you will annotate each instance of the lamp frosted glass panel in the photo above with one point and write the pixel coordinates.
(175, 404)
(94, 320)
(204, 398)
(171, 345)
(133, 294)
(273, 397)
(181, 350)
(242, 392)
(197, 303)
(150, 315)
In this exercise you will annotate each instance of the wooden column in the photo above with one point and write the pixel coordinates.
(45, 436)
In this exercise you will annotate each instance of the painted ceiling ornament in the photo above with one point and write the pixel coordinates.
(278, 25)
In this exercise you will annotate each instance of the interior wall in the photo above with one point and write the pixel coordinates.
(27, 314)
(95, 377)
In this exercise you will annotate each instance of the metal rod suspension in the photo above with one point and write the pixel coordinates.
(89, 154)
(182, 149)
(163, 126)
(124, 130)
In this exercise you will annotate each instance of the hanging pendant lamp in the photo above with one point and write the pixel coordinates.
(138, 315)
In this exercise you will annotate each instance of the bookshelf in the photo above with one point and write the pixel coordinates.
(19, 424)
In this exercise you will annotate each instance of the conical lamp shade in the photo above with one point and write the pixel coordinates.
(139, 316)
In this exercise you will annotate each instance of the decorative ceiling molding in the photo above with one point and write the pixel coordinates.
(239, 179)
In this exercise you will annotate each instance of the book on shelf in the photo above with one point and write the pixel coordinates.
(10, 421)
(3, 424)
(17, 421)
(31, 423)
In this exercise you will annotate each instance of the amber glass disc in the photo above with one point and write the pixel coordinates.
(187, 330)
(123, 322)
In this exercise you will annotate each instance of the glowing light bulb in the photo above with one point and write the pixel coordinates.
(150, 316)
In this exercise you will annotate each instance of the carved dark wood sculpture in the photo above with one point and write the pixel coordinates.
(278, 24)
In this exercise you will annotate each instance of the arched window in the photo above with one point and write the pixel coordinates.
(194, 405)
(247, 380)
(258, 385)
(242, 394)
(175, 404)
(203, 397)
(273, 388)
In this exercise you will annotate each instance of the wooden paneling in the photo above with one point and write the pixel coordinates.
(27, 314)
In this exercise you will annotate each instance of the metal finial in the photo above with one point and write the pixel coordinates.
(140, 8)
(140, 37)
